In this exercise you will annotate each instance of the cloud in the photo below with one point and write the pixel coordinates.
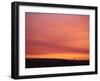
(56, 33)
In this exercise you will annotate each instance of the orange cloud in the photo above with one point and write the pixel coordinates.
(66, 56)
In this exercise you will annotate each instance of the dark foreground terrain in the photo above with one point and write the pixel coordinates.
(34, 63)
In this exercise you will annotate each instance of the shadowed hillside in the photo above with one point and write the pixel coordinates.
(33, 63)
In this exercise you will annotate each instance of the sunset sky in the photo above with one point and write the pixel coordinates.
(59, 36)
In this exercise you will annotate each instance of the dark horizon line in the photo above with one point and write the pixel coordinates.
(53, 59)
(37, 63)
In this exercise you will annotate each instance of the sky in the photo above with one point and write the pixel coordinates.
(59, 36)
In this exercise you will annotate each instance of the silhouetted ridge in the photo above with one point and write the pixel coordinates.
(34, 63)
